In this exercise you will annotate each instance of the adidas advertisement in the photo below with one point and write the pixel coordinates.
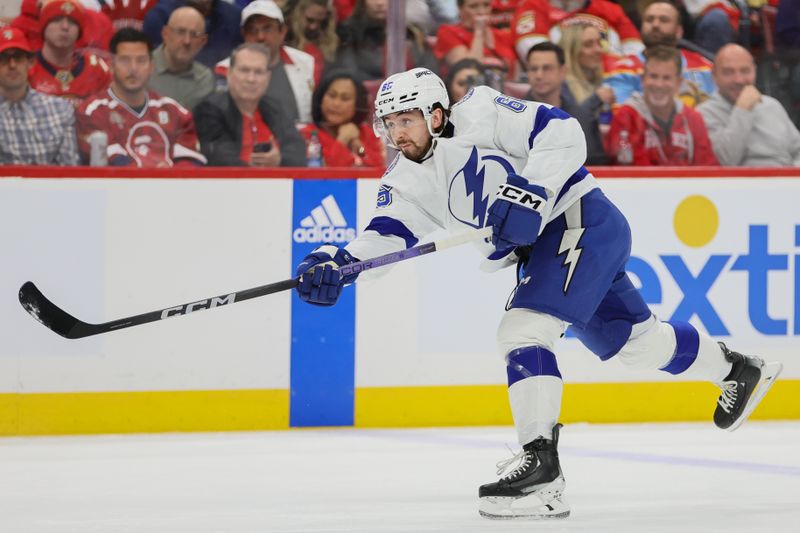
(322, 377)
(324, 223)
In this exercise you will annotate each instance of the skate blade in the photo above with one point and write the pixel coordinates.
(523, 508)
(769, 373)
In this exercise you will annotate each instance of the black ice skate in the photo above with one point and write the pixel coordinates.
(533, 490)
(748, 381)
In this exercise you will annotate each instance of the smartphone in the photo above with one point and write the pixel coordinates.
(262, 147)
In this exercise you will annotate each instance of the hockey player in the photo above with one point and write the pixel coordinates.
(571, 244)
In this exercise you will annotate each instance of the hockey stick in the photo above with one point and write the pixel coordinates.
(66, 325)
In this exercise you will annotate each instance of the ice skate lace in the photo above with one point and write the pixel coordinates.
(524, 459)
(728, 397)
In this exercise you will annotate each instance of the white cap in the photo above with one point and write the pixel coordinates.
(266, 8)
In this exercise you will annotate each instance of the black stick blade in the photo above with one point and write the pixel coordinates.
(50, 315)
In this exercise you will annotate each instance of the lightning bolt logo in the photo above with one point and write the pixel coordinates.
(572, 252)
(473, 181)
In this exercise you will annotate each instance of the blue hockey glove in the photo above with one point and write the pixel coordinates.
(516, 214)
(319, 280)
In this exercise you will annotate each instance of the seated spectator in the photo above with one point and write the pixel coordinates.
(747, 128)
(312, 29)
(363, 42)
(96, 41)
(35, 129)
(127, 14)
(475, 38)
(539, 20)
(292, 80)
(462, 77)
(547, 74)
(340, 110)
(240, 127)
(661, 25)
(143, 128)
(60, 69)
(222, 26)
(176, 74)
(660, 129)
(583, 49)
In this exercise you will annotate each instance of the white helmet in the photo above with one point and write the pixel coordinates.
(418, 88)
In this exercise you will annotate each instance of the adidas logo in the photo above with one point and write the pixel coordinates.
(326, 223)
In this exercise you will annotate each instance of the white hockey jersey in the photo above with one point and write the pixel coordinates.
(493, 135)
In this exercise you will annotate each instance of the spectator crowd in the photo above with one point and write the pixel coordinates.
(265, 83)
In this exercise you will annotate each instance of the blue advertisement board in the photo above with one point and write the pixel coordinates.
(323, 338)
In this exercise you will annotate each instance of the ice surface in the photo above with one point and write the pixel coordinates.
(620, 478)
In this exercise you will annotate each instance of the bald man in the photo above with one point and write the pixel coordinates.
(747, 128)
(176, 73)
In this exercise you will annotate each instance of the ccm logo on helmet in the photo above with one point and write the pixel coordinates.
(423, 73)
(518, 196)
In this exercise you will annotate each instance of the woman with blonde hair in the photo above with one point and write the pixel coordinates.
(583, 48)
(312, 29)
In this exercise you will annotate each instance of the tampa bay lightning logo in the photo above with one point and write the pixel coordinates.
(469, 182)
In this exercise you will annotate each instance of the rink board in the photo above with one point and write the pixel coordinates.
(416, 349)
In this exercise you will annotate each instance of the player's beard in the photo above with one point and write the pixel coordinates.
(658, 38)
(414, 152)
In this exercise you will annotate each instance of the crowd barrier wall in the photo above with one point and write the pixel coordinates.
(718, 247)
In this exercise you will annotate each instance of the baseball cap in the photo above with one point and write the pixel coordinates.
(13, 38)
(62, 8)
(266, 8)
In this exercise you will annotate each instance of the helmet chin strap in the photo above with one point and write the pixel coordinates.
(429, 124)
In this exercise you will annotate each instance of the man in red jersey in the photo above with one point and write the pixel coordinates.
(540, 20)
(59, 68)
(143, 128)
(661, 130)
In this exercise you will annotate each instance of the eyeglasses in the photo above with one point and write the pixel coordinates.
(183, 32)
(18, 56)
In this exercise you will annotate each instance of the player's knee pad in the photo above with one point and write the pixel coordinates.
(529, 362)
(525, 327)
(650, 345)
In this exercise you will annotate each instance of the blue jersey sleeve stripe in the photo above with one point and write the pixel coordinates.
(543, 117)
(392, 226)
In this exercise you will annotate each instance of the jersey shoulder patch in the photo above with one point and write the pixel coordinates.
(384, 196)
